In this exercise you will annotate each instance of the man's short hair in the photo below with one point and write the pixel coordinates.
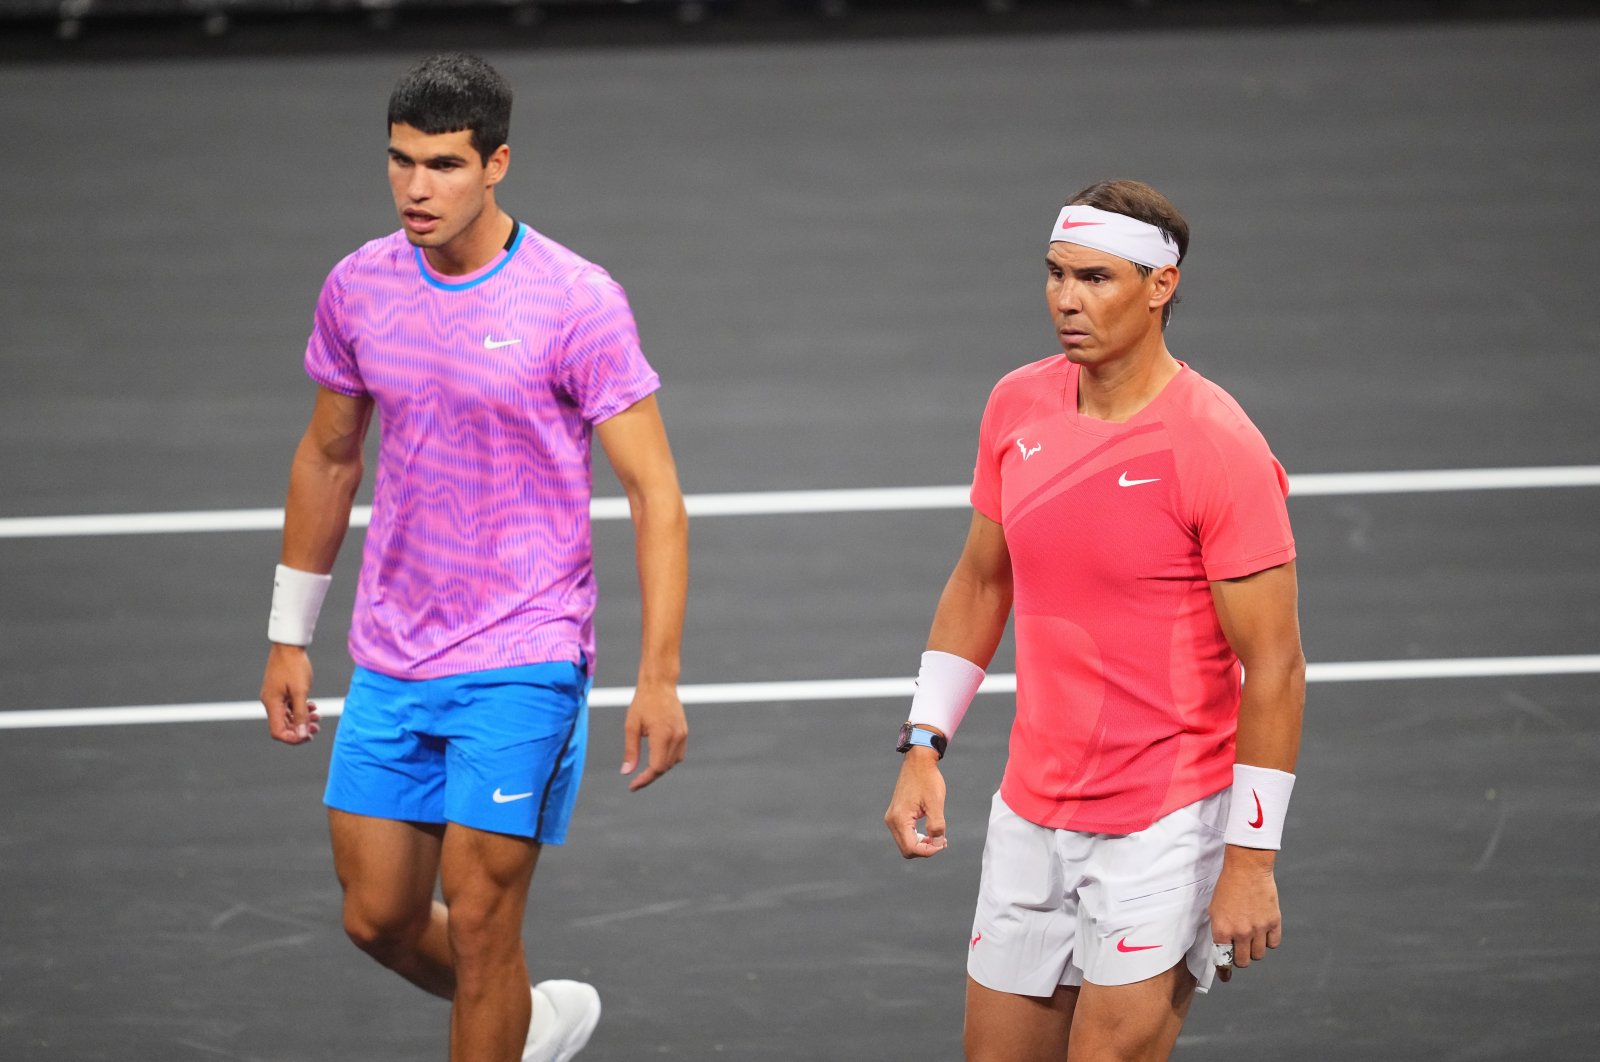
(1140, 201)
(453, 91)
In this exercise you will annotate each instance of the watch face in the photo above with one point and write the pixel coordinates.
(904, 742)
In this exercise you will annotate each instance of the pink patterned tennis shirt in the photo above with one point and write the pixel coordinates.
(487, 388)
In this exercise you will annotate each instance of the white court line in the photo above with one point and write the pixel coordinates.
(805, 691)
(769, 503)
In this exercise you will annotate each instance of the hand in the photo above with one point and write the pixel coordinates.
(656, 714)
(918, 794)
(291, 718)
(1244, 908)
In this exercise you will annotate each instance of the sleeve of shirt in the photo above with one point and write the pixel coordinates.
(986, 471)
(603, 370)
(330, 360)
(1240, 508)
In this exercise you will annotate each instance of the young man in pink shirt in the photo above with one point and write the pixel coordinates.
(491, 355)
(1133, 519)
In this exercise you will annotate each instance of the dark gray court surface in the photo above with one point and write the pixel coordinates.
(833, 253)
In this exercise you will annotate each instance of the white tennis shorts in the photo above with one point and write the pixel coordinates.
(1058, 907)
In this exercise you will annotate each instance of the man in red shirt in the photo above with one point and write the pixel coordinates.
(1133, 517)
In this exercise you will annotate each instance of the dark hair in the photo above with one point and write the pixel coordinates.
(1139, 201)
(453, 91)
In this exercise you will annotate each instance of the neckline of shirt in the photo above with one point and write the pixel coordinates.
(1108, 428)
(477, 276)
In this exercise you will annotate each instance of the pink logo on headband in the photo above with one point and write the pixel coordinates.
(1067, 224)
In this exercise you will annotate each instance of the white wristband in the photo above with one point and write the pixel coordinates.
(946, 684)
(1259, 804)
(296, 601)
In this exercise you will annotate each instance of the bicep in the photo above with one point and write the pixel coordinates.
(338, 427)
(1259, 614)
(985, 559)
(635, 442)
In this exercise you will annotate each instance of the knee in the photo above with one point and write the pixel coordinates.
(384, 935)
(484, 928)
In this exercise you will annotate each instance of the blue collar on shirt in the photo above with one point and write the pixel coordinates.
(511, 249)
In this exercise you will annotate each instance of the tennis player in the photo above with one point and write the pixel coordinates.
(1133, 520)
(491, 356)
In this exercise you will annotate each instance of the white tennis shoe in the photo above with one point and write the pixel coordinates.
(564, 1015)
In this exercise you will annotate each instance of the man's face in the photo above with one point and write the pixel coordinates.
(440, 184)
(1102, 308)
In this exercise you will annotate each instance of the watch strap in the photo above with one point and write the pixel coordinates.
(914, 735)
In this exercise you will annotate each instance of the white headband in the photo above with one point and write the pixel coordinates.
(1116, 234)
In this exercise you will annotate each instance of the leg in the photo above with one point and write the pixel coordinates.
(1004, 1027)
(387, 870)
(1138, 1022)
(485, 878)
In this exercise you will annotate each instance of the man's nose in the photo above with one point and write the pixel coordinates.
(418, 185)
(1067, 296)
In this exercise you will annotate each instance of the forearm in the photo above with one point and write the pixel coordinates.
(661, 551)
(971, 617)
(1271, 708)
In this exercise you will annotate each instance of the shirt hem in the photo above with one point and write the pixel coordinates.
(620, 402)
(340, 386)
(558, 654)
(1240, 569)
(1026, 807)
(980, 507)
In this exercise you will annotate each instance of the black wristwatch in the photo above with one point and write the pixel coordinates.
(913, 735)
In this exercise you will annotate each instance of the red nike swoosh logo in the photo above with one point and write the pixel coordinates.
(1124, 946)
(1260, 817)
(976, 939)
(1065, 225)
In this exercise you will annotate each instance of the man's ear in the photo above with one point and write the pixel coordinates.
(1163, 286)
(494, 171)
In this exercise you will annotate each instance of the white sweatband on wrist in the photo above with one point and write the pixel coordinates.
(1117, 234)
(296, 601)
(1260, 802)
(946, 684)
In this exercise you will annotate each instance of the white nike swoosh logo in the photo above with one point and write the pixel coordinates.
(492, 343)
(1124, 481)
(505, 798)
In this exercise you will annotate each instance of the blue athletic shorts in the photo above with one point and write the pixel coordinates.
(498, 750)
